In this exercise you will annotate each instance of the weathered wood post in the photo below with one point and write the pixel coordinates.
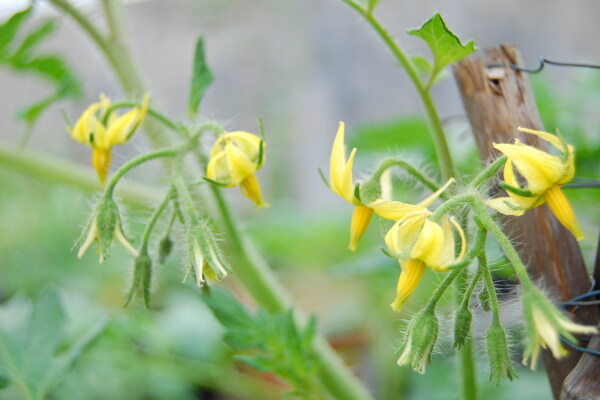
(498, 99)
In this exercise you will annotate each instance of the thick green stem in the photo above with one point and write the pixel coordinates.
(53, 169)
(439, 136)
(451, 204)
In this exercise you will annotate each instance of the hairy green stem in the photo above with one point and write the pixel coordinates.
(504, 242)
(161, 153)
(488, 172)
(414, 172)
(450, 204)
(441, 289)
(439, 136)
(154, 218)
(489, 286)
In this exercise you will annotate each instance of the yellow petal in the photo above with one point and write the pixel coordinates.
(446, 254)
(548, 335)
(428, 246)
(393, 210)
(433, 197)
(248, 143)
(360, 221)
(552, 139)
(120, 128)
(412, 271)
(101, 163)
(540, 169)
(561, 208)
(505, 205)
(240, 166)
(84, 127)
(251, 189)
(218, 170)
(401, 238)
(340, 170)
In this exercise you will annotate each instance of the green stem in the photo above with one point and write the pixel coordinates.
(163, 119)
(489, 286)
(154, 218)
(53, 169)
(488, 172)
(466, 299)
(161, 153)
(504, 242)
(439, 136)
(450, 204)
(414, 172)
(441, 289)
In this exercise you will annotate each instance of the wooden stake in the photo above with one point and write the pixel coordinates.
(498, 99)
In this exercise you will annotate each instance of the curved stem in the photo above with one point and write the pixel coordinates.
(439, 136)
(414, 172)
(163, 119)
(450, 204)
(441, 289)
(154, 218)
(161, 153)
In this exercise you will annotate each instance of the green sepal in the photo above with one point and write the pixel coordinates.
(219, 184)
(499, 355)
(142, 276)
(516, 190)
(107, 220)
(324, 178)
(462, 327)
(357, 192)
(165, 246)
(261, 153)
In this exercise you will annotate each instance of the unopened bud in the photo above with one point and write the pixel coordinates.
(420, 338)
(462, 327)
(498, 354)
(164, 249)
(205, 255)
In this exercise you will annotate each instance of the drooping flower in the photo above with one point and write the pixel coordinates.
(544, 325)
(234, 158)
(544, 175)
(104, 225)
(102, 128)
(205, 257)
(421, 335)
(419, 242)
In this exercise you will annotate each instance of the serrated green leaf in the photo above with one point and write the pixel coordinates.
(202, 77)
(445, 46)
(9, 29)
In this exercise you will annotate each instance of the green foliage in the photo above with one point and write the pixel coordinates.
(202, 77)
(34, 356)
(22, 57)
(445, 46)
(269, 342)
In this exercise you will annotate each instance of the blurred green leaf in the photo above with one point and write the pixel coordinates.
(33, 353)
(33, 39)
(425, 68)
(269, 342)
(201, 79)
(445, 46)
(9, 29)
(49, 67)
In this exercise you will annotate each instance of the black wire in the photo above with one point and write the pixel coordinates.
(543, 62)
(579, 348)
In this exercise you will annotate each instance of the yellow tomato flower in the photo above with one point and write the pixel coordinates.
(544, 174)
(101, 131)
(419, 242)
(545, 325)
(234, 158)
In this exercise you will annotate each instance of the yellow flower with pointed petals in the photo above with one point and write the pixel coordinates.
(419, 242)
(101, 130)
(544, 174)
(234, 158)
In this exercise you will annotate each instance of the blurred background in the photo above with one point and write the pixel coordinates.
(302, 66)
